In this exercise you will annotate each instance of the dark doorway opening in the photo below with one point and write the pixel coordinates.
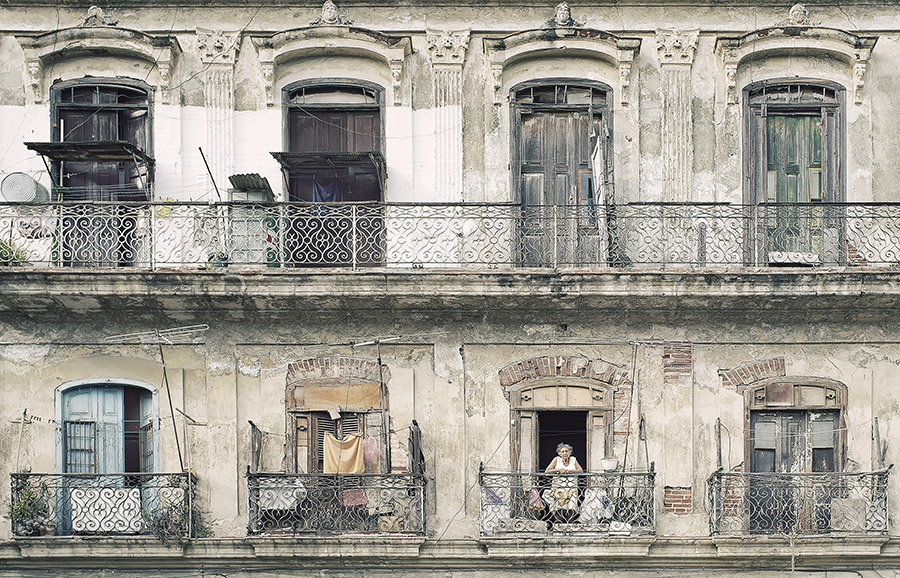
(556, 427)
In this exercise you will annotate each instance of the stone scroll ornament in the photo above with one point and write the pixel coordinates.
(331, 16)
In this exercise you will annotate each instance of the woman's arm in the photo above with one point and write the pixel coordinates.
(551, 469)
(577, 465)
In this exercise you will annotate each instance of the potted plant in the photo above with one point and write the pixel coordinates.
(28, 512)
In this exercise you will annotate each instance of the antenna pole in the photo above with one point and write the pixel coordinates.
(210, 173)
(169, 395)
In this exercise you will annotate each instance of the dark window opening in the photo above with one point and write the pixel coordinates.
(98, 113)
(556, 427)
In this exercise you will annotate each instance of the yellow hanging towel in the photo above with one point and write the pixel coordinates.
(343, 456)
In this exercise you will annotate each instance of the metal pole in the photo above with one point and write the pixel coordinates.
(210, 173)
(718, 443)
(169, 395)
(19, 443)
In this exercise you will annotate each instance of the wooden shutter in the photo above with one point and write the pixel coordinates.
(597, 431)
(525, 457)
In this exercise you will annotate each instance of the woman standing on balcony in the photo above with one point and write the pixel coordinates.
(562, 497)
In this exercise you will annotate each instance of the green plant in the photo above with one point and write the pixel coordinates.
(11, 254)
(28, 512)
(169, 524)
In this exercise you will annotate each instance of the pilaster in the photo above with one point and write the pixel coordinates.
(676, 53)
(448, 53)
(218, 51)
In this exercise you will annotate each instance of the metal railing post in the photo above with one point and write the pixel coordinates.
(556, 210)
(354, 224)
(150, 238)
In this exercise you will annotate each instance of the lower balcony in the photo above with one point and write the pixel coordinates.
(185, 235)
(615, 504)
(323, 504)
(101, 505)
(806, 503)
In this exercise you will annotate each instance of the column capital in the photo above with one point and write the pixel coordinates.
(218, 46)
(676, 46)
(447, 46)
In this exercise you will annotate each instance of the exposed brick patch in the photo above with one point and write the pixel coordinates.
(677, 362)
(854, 258)
(562, 366)
(336, 368)
(752, 371)
(677, 500)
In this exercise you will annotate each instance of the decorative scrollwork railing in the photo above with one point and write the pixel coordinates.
(336, 503)
(807, 503)
(100, 504)
(481, 236)
(599, 503)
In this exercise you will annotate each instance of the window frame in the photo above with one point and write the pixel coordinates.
(759, 401)
(515, 133)
(337, 82)
(525, 413)
(57, 106)
(755, 138)
(152, 453)
(56, 103)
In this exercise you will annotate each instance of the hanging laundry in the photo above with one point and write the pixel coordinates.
(372, 455)
(328, 193)
(343, 456)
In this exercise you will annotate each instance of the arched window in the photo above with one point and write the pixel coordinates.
(333, 399)
(333, 135)
(794, 160)
(103, 133)
(107, 428)
(561, 169)
(561, 411)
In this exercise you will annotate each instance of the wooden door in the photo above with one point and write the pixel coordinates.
(554, 157)
(794, 174)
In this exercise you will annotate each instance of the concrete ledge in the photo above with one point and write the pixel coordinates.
(416, 552)
(65, 290)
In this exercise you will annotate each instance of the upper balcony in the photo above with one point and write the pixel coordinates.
(473, 237)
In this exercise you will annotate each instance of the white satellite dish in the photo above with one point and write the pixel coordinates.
(21, 188)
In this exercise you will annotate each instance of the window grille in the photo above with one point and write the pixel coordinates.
(81, 441)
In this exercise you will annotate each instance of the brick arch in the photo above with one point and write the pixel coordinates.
(752, 371)
(535, 368)
(336, 369)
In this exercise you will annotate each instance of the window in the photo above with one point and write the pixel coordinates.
(110, 123)
(333, 135)
(795, 136)
(312, 427)
(107, 429)
(795, 427)
(100, 151)
(322, 407)
(547, 415)
(561, 170)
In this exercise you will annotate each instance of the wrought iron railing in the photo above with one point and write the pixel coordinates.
(479, 236)
(100, 504)
(807, 503)
(336, 503)
(599, 503)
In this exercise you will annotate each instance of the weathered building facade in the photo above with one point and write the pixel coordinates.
(312, 290)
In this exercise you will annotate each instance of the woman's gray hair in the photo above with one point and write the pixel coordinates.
(560, 447)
